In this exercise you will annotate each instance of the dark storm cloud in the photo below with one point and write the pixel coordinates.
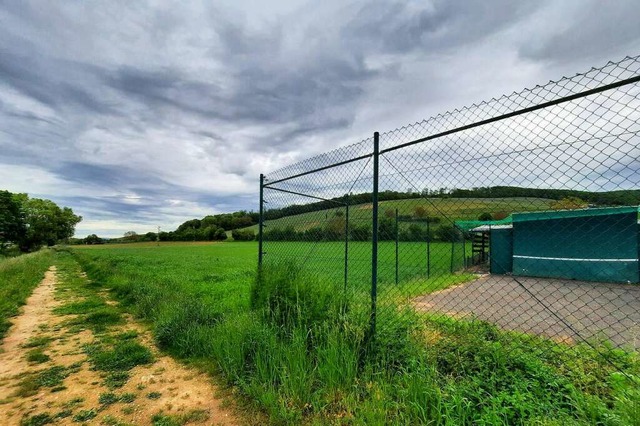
(37, 76)
(96, 174)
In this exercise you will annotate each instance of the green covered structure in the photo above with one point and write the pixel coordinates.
(595, 244)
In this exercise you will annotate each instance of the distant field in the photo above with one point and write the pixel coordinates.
(324, 258)
(446, 209)
(149, 244)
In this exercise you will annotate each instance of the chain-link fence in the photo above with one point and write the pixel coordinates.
(519, 214)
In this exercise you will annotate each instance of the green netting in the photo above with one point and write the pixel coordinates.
(568, 214)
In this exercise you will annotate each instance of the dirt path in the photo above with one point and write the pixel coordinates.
(25, 326)
(72, 357)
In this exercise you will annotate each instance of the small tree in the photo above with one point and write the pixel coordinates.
(386, 229)
(420, 212)
(93, 239)
(13, 227)
(500, 215)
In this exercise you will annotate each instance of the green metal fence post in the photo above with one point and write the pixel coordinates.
(464, 251)
(374, 244)
(428, 249)
(397, 265)
(346, 246)
(261, 221)
(452, 252)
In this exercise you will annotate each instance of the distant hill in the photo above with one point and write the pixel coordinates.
(445, 203)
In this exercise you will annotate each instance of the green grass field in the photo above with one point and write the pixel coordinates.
(296, 345)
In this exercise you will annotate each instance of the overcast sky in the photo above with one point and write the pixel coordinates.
(139, 114)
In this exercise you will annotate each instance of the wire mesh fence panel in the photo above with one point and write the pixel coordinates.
(322, 220)
(514, 221)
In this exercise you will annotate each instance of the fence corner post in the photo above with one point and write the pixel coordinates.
(374, 245)
(261, 221)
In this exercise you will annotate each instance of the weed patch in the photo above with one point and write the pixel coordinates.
(85, 415)
(36, 356)
(79, 308)
(51, 377)
(194, 416)
(110, 398)
(116, 379)
(122, 357)
(37, 342)
(37, 420)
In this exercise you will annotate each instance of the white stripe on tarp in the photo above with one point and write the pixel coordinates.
(574, 259)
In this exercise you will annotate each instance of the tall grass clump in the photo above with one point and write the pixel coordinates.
(298, 346)
(18, 277)
(289, 296)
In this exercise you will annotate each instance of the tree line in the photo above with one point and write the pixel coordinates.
(209, 228)
(30, 223)
(606, 198)
(410, 228)
(215, 227)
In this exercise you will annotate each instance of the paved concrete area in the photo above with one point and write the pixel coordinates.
(593, 310)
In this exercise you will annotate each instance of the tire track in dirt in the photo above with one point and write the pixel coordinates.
(62, 387)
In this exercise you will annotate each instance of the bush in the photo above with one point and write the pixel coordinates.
(243, 235)
(360, 233)
(448, 233)
(415, 232)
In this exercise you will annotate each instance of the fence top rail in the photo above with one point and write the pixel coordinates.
(610, 76)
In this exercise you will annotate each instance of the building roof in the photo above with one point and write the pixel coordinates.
(484, 226)
(570, 214)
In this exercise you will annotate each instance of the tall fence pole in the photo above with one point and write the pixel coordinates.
(464, 251)
(452, 252)
(261, 221)
(428, 249)
(374, 239)
(397, 261)
(346, 246)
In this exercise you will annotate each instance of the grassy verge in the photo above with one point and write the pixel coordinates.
(298, 346)
(18, 277)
